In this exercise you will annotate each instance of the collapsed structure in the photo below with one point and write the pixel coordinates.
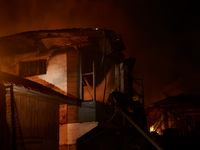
(180, 114)
(175, 121)
(79, 65)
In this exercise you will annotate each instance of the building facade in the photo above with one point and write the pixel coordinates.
(83, 64)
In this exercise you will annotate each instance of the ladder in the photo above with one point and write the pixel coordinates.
(81, 90)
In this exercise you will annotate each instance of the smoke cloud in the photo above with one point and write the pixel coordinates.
(162, 36)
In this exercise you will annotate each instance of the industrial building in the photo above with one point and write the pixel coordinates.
(75, 70)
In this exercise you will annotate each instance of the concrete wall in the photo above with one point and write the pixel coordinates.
(74, 131)
(56, 67)
(56, 71)
(72, 90)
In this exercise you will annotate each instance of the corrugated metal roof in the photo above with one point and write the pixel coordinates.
(50, 43)
(181, 105)
(179, 101)
(30, 85)
(47, 39)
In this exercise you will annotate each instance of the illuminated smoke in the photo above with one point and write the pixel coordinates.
(154, 32)
(22, 15)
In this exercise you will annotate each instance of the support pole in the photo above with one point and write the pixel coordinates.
(143, 92)
(13, 118)
(94, 83)
(80, 77)
(139, 129)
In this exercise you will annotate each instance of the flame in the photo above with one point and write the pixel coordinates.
(152, 129)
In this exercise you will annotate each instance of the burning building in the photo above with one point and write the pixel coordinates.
(80, 66)
(176, 120)
(178, 112)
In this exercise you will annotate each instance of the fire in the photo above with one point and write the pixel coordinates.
(152, 129)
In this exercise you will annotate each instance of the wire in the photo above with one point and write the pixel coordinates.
(105, 85)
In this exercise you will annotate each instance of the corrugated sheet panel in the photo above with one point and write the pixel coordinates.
(30, 85)
(50, 43)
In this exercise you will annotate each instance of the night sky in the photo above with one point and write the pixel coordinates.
(163, 36)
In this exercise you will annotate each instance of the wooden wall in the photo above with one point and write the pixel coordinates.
(36, 122)
(10, 63)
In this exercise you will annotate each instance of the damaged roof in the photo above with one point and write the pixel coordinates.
(36, 88)
(44, 40)
(180, 105)
(179, 101)
(104, 47)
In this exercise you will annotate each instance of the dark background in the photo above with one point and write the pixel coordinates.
(163, 36)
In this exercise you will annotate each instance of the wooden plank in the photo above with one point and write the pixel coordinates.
(38, 118)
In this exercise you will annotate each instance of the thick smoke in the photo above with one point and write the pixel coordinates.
(22, 15)
(162, 36)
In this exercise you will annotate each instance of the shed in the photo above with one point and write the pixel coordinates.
(29, 114)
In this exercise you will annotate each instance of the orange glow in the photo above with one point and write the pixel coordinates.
(152, 129)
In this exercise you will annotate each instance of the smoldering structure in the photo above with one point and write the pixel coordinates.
(176, 120)
(77, 70)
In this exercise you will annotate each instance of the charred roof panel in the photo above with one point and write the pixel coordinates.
(59, 42)
(30, 85)
(31, 41)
